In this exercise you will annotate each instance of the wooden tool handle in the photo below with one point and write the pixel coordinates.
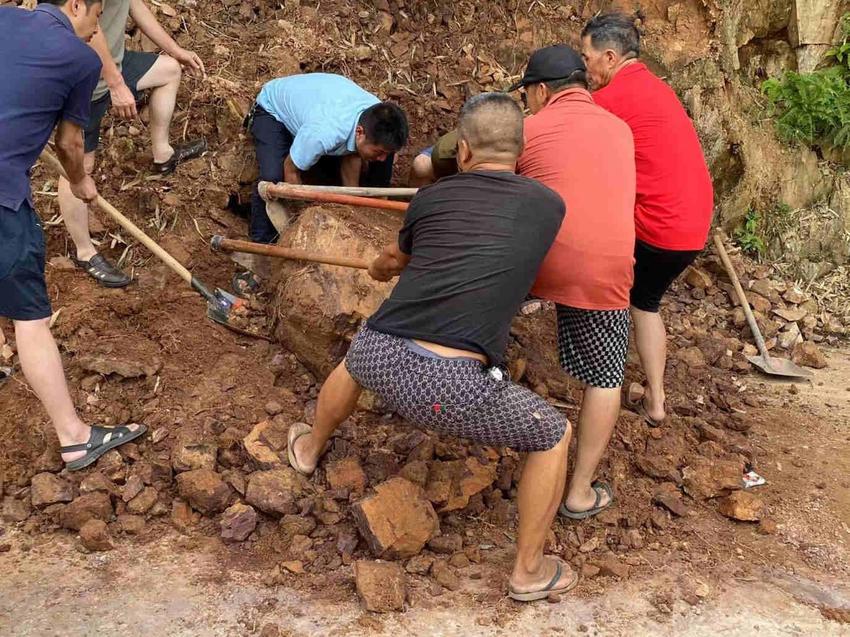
(128, 225)
(742, 298)
(270, 191)
(233, 245)
(357, 191)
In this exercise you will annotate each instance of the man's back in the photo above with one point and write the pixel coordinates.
(585, 155)
(47, 74)
(675, 196)
(477, 240)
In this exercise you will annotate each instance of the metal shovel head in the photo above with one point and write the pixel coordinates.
(779, 367)
(219, 310)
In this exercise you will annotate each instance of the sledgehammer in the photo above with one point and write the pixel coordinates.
(222, 244)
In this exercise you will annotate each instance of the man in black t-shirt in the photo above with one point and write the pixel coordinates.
(467, 254)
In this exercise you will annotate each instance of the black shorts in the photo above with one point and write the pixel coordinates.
(655, 271)
(134, 67)
(23, 292)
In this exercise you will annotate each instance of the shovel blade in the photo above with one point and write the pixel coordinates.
(779, 367)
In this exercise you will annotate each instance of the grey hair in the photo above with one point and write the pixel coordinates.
(492, 124)
(615, 31)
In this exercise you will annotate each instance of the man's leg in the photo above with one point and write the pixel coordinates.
(651, 344)
(337, 400)
(75, 214)
(272, 142)
(600, 408)
(541, 488)
(163, 81)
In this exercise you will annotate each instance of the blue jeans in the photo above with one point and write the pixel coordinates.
(272, 142)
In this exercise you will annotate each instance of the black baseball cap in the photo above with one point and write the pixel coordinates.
(554, 62)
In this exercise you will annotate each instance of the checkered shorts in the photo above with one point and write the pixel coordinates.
(455, 396)
(593, 344)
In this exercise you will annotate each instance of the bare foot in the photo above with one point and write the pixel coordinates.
(532, 582)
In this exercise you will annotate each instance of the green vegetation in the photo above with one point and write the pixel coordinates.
(748, 236)
(814, 108)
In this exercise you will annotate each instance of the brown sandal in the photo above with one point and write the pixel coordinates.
(296, 431)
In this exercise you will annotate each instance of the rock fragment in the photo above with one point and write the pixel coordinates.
(743, 506)
(347, 474)
(381, 586)
(47, 489)
(204, 490)
(94, 535)
(238, 522)
(809, 355)
(704, 478)
(89, 506)
(275, 491)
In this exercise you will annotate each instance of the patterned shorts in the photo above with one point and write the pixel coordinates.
(593, 344)
(455, 396)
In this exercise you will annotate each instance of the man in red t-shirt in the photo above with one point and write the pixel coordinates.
(586, 155)
(675, 199)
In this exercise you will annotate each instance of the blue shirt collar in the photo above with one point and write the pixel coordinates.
(57, 13)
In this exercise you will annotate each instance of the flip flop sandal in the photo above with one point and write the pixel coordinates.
(641, 410)
(102, 271)
(600, 488)
(637, 405)
(297, 430)
(101, 440)
(245, 284)
(182, 152)
(549, 589)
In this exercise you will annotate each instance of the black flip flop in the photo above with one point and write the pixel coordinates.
(600, 488)
(101, 440)
(641, 410)
(549, 589)
(182, 152)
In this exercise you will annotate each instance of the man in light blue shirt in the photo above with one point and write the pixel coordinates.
(321, 128)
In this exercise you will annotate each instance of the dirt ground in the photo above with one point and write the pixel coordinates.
(696, 573)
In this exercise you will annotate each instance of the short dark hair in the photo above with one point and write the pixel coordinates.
(62, 3)
(615, 31)
(576, 78)
(492, 122)
(385, 124)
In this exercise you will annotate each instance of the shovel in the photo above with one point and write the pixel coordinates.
(222, 244)
(220, 304)
(765, 362)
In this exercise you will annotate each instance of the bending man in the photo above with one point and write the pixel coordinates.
(675, 198)
(35, 93)
(125, 75)
(467, 254)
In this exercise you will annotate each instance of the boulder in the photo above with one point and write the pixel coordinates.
(704, 478)
(452, 483)
(809, 355)
(275, 491)
(188, 456)
(238, 522)
(94, 535)
(742, 505)
(89, 506)
(318, 307)
(397, 521)
(347, 474)
(204, 490)
(47, 489)
(381, 586)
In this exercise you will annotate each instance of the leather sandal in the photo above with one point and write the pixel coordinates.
(102, 271)
(182, 152)
(101, 440)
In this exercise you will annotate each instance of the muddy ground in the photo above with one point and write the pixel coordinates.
(649, 567)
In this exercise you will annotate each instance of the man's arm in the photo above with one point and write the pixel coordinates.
(122, 97)
(69, 149)
(149, 25)
(389, 264)
(291, 174)
(350, 170)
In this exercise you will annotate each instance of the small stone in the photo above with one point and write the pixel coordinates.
(292, 525)
(194, 455)
(111, 464)
(659, 519)
(381, 586)
(767, 526)
(47, 489)
(743, 506)
(131, 524)
(238, 522)
(270, 630)
(589, 570)
(444, 575)
(15, 510)
(697, 278)
(259, 449)
(459, 560)
(95, 536)
(132, 488)
(705, 478)
(98, 482)
(204, 490)
(347, 474)
(143, 502)
(293, 566)
(809, 355)
(446, 544)
(591, 545)
(362, 52)
(611, 566)
(415, 472)
(273, 408)
(181, 515)
(89, 506)
(692, 357)
(276, 491)
(419, 564)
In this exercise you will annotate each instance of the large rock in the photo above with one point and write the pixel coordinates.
(319, 307)
(452, 483)
(205, 490)
(381, 586)
(275, 491)
(704, 478)
(397, 521)
(47, 489)
(90, 506)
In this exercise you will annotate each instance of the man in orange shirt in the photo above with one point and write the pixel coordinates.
(586, 155)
